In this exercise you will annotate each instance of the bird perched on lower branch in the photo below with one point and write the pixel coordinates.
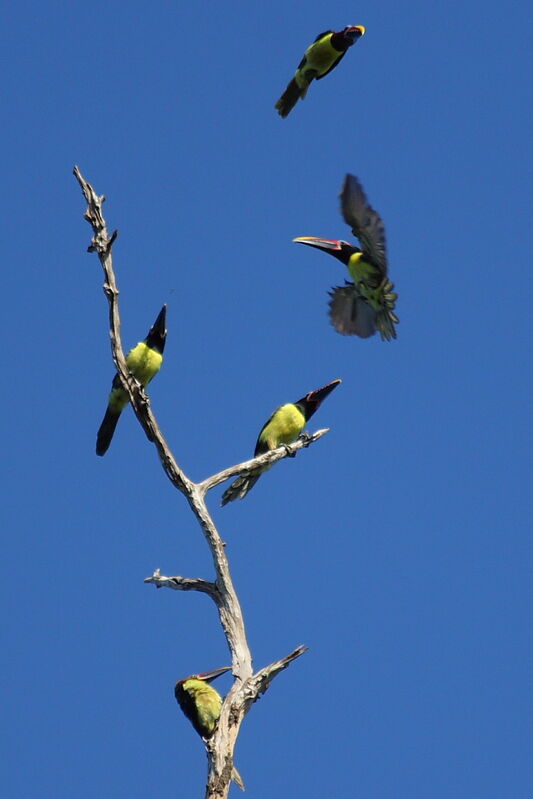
(202, 704)
(144, 362)
(283, 427)
(320, 58)
(366, 305)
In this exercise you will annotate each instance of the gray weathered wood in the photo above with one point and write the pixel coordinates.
(247, 686)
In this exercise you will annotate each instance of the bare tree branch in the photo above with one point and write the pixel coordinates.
(260, 681)
(270, 457)
(236, 705)
(102, 243)
(182, 583)
(247, 686)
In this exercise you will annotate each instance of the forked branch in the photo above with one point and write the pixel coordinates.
(247, 686)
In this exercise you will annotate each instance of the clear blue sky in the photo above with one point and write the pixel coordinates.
(396, 547)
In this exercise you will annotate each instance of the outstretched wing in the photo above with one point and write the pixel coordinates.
(365, 223)
(350, 314)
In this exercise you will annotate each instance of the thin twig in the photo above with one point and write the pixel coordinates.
(260, 681)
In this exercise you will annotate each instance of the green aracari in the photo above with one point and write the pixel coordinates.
(283, 427)
(320, 58)
(202, 704)
(144, 362)
(366, 305)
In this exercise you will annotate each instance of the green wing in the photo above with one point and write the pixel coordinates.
(262, 446)
(335, 63)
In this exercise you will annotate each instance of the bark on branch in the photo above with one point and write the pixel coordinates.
(182, 583)
(247, 686)
(270, 457)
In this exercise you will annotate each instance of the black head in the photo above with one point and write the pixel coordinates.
(346, 37)
(158, 333)
(312, 401)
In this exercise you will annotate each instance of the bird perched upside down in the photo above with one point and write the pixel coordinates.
(366, 305)
(283, 427)
(144, 362)
(320, 58)
(202, 704)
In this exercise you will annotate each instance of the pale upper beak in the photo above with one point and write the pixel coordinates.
(323, 244)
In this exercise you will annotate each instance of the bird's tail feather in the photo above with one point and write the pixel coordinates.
(289, 98)
(386, 318)
(240, 487)
(106, 430)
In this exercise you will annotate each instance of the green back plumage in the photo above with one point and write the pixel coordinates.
(144, 362)
(201, 703)
(319, 59)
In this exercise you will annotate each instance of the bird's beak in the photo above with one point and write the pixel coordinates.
(327, 245)
(208, 676)
(320, 394)
(315, 398)
(159, 325)
(361, 30)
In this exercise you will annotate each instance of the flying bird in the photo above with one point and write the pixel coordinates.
(366, 305)
(144, 362)
(202, 704)
(320, 58)
(283, 427)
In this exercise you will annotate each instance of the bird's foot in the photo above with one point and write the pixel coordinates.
(288, 450)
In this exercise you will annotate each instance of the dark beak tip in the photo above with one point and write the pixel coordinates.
(332, 385)
(161, 317)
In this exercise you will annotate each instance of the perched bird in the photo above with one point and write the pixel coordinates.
(144, 362)
(320, 58)
(366, 305)
(283, 427)
(202, 705)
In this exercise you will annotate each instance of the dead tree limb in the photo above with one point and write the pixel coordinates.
(247, 686)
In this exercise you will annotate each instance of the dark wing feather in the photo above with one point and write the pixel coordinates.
(350, 314)
(261, 446)
(365, 223)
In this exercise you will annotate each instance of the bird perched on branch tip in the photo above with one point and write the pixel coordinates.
(283, 427)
